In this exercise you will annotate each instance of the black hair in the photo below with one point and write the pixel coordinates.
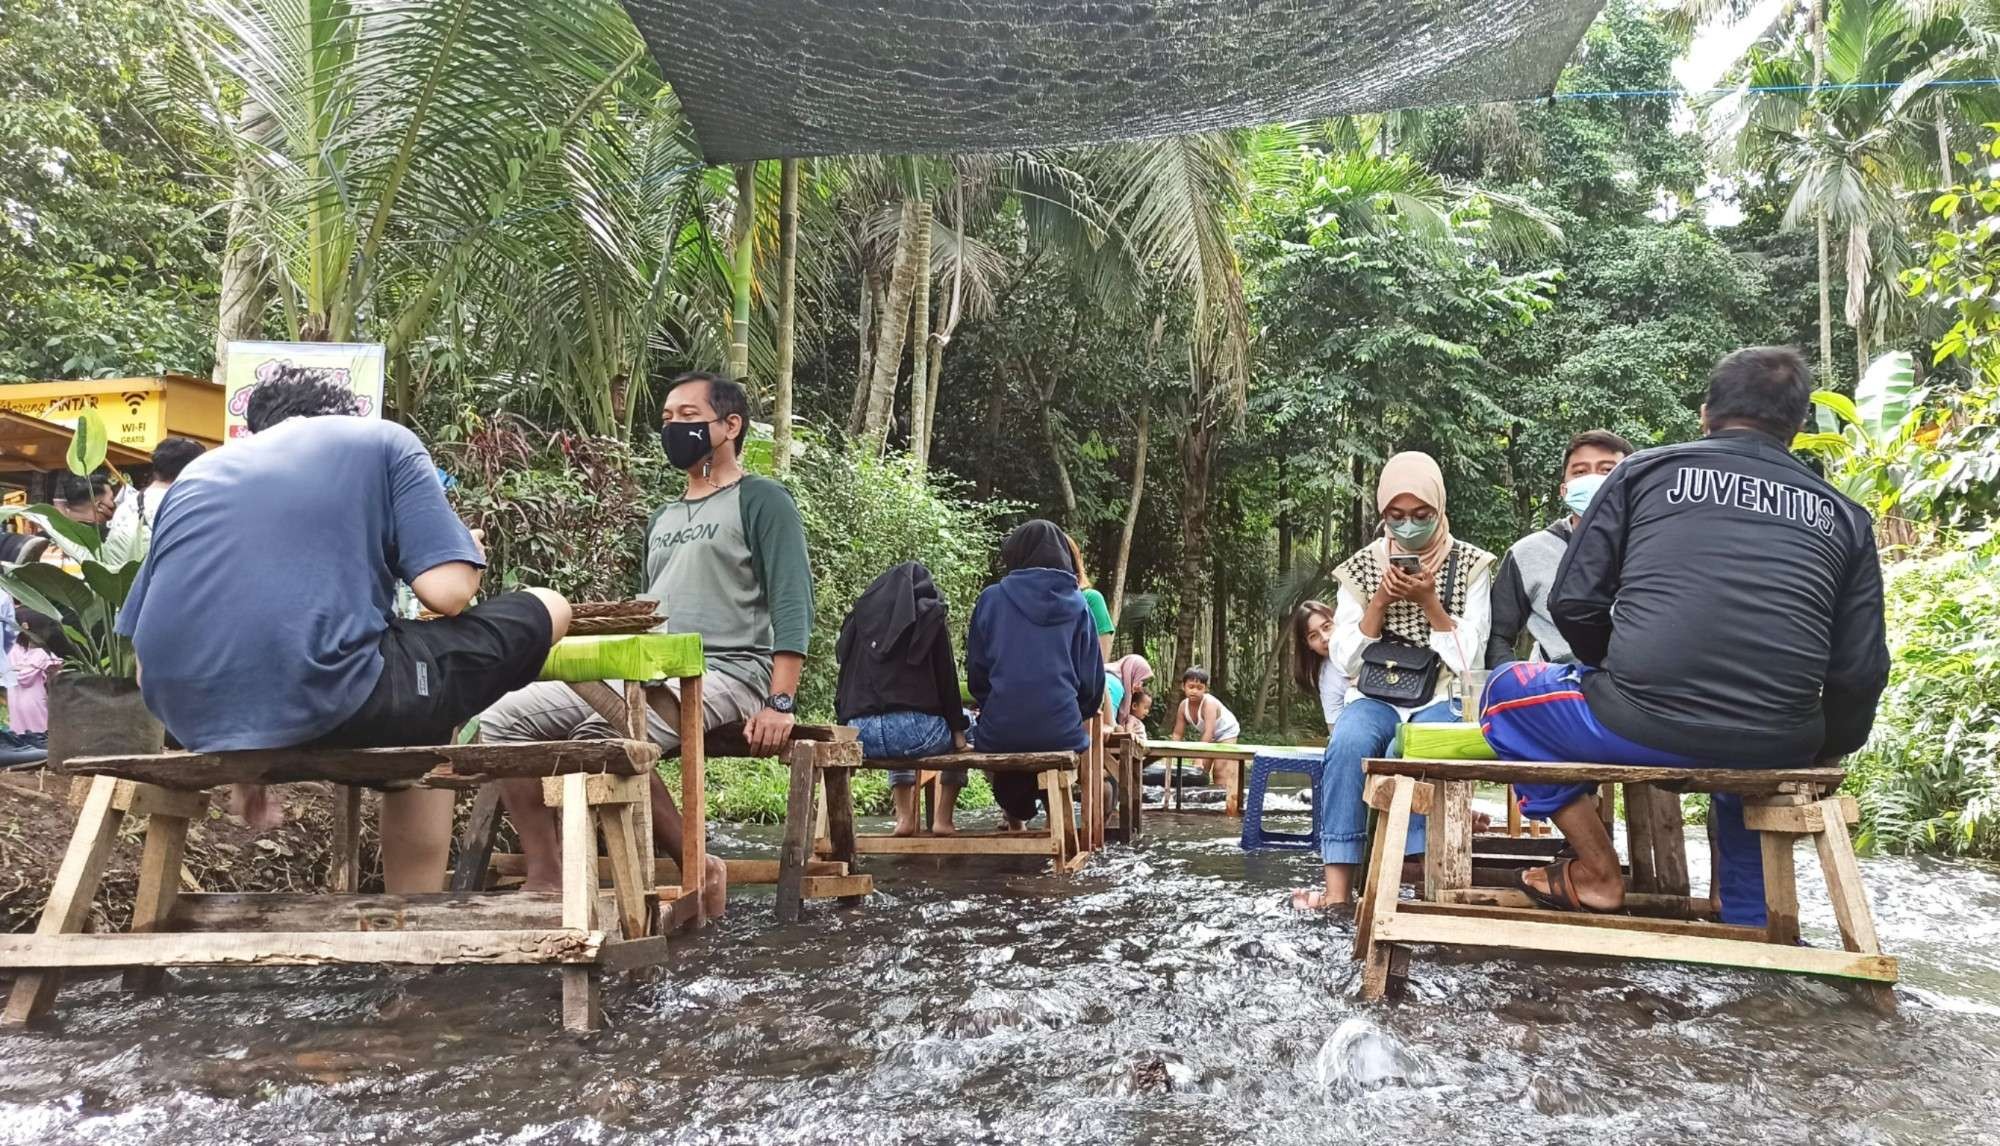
(172, 456)
(73, 489)
(39, 630)
(1767, 388)
(1197, 674)
(724, 397)
(1597, 439)
(296, 392)
(1138, 694)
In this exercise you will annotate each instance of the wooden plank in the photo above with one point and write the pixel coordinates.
(1670, 856)
(1385, 881)
(475, 840)
(1747, 781)
(666, 871)
(1513, 813)
(694, 794)
(159, 884)
(301, 949)
(727, 739)
(846, 887)
(1639, 833)
(1448, 840)
(1637, 903)
(137, 799)
(1843, 882)
(840, 824)
(1781, 892)
(260, 911)
(989, 761)
(1201, 750)
(346, 873)
(196, 771)
(1802, 819)
(1375, 792)
(583, 987)
(598, 790)
(1028, 843)
(75, 885)
(630, 883)
(1607, 808)
(1649, 924)
(634, 954)
(1575, 939)
(796, 848)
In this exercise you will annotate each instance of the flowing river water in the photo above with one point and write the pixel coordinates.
(1165, 995)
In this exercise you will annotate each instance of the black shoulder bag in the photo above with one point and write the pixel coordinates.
(1397, 672)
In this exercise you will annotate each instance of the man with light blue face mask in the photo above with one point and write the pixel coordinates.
(1521, 589)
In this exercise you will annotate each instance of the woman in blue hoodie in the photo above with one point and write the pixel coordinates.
(1032, 661)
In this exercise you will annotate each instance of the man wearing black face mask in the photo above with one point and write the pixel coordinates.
(728, 561)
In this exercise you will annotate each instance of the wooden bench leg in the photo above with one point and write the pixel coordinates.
(630, 882)
(159, 885)
(1448, 842)
(1385, 879)
(694, 799)
(1670, 852)
(839, 783)
(1513, 814)
(583, 987)
(1639, 838)
(1850, 899)
(1781, 892)
(75, 886)
(800, 824)
(475, 840)
(346, 874)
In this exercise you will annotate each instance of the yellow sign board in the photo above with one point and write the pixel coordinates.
(133, 417)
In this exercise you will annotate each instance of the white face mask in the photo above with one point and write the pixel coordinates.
(1578, 491)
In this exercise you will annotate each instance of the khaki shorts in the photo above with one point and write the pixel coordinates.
(551, 710)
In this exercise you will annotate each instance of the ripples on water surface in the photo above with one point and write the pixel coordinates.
(1166, 995)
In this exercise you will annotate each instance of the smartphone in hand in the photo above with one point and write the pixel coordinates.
(1407, 562)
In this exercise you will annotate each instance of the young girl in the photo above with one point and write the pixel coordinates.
(899, 686)
(33, 664)
(1210, 719)
(1032, 662)
(1313, 669)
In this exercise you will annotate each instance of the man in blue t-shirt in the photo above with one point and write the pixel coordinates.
(263, 616)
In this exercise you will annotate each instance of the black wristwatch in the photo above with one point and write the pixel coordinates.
(780, 702)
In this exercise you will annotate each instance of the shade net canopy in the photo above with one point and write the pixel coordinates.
(763, 79)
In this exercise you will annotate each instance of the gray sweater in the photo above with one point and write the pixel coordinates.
(1521, 599)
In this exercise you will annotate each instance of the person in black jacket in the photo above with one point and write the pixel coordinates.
(899, 686)
(1725, 605)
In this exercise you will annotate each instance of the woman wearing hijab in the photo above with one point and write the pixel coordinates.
(1130, 671)
(1032, 661)
(899, 686)
(1412, 603)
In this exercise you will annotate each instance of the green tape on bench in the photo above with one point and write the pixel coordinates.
(1444, 742)
(635, 656)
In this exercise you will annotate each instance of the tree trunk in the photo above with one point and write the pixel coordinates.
(788, 284)
(895, 327)
(864, 371)
(1131, 510)
(942, 338)
(920, 339)
(1825, 304)
(989, 450)
(1282, 646)
(745, 266)
(1197, 459)
(1944, 148)
(245, 288)
(1218, 633)
(1047, 393)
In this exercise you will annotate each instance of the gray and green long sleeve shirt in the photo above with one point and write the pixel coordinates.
(732, 567)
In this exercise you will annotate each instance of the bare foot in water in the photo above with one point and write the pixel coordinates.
(253, 802)
(715, 888)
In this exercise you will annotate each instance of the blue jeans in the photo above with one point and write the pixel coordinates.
(1534, 711)
(904, 735)
(1366, 729)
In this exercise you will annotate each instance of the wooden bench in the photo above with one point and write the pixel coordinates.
(598, 787)
(1661, 922)
(824, 830)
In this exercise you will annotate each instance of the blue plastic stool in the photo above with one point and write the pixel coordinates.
(1307, 761)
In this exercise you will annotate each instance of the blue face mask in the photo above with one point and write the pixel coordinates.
(1578, 491)
(1413, 534)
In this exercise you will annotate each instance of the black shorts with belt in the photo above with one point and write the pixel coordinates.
(436, 675)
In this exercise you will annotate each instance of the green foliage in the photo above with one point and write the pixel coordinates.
(754, 791)
(1929, 780)
(105, 260)
(864, 514)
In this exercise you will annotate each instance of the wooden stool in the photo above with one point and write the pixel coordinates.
(1125, 758)
(1783, 804)
(830, 764)
(597, 786)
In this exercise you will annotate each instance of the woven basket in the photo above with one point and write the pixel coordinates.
(609, 618)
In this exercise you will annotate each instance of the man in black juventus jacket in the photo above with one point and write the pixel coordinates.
(1725, 604)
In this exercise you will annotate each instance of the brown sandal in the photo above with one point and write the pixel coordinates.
(1562, 894)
